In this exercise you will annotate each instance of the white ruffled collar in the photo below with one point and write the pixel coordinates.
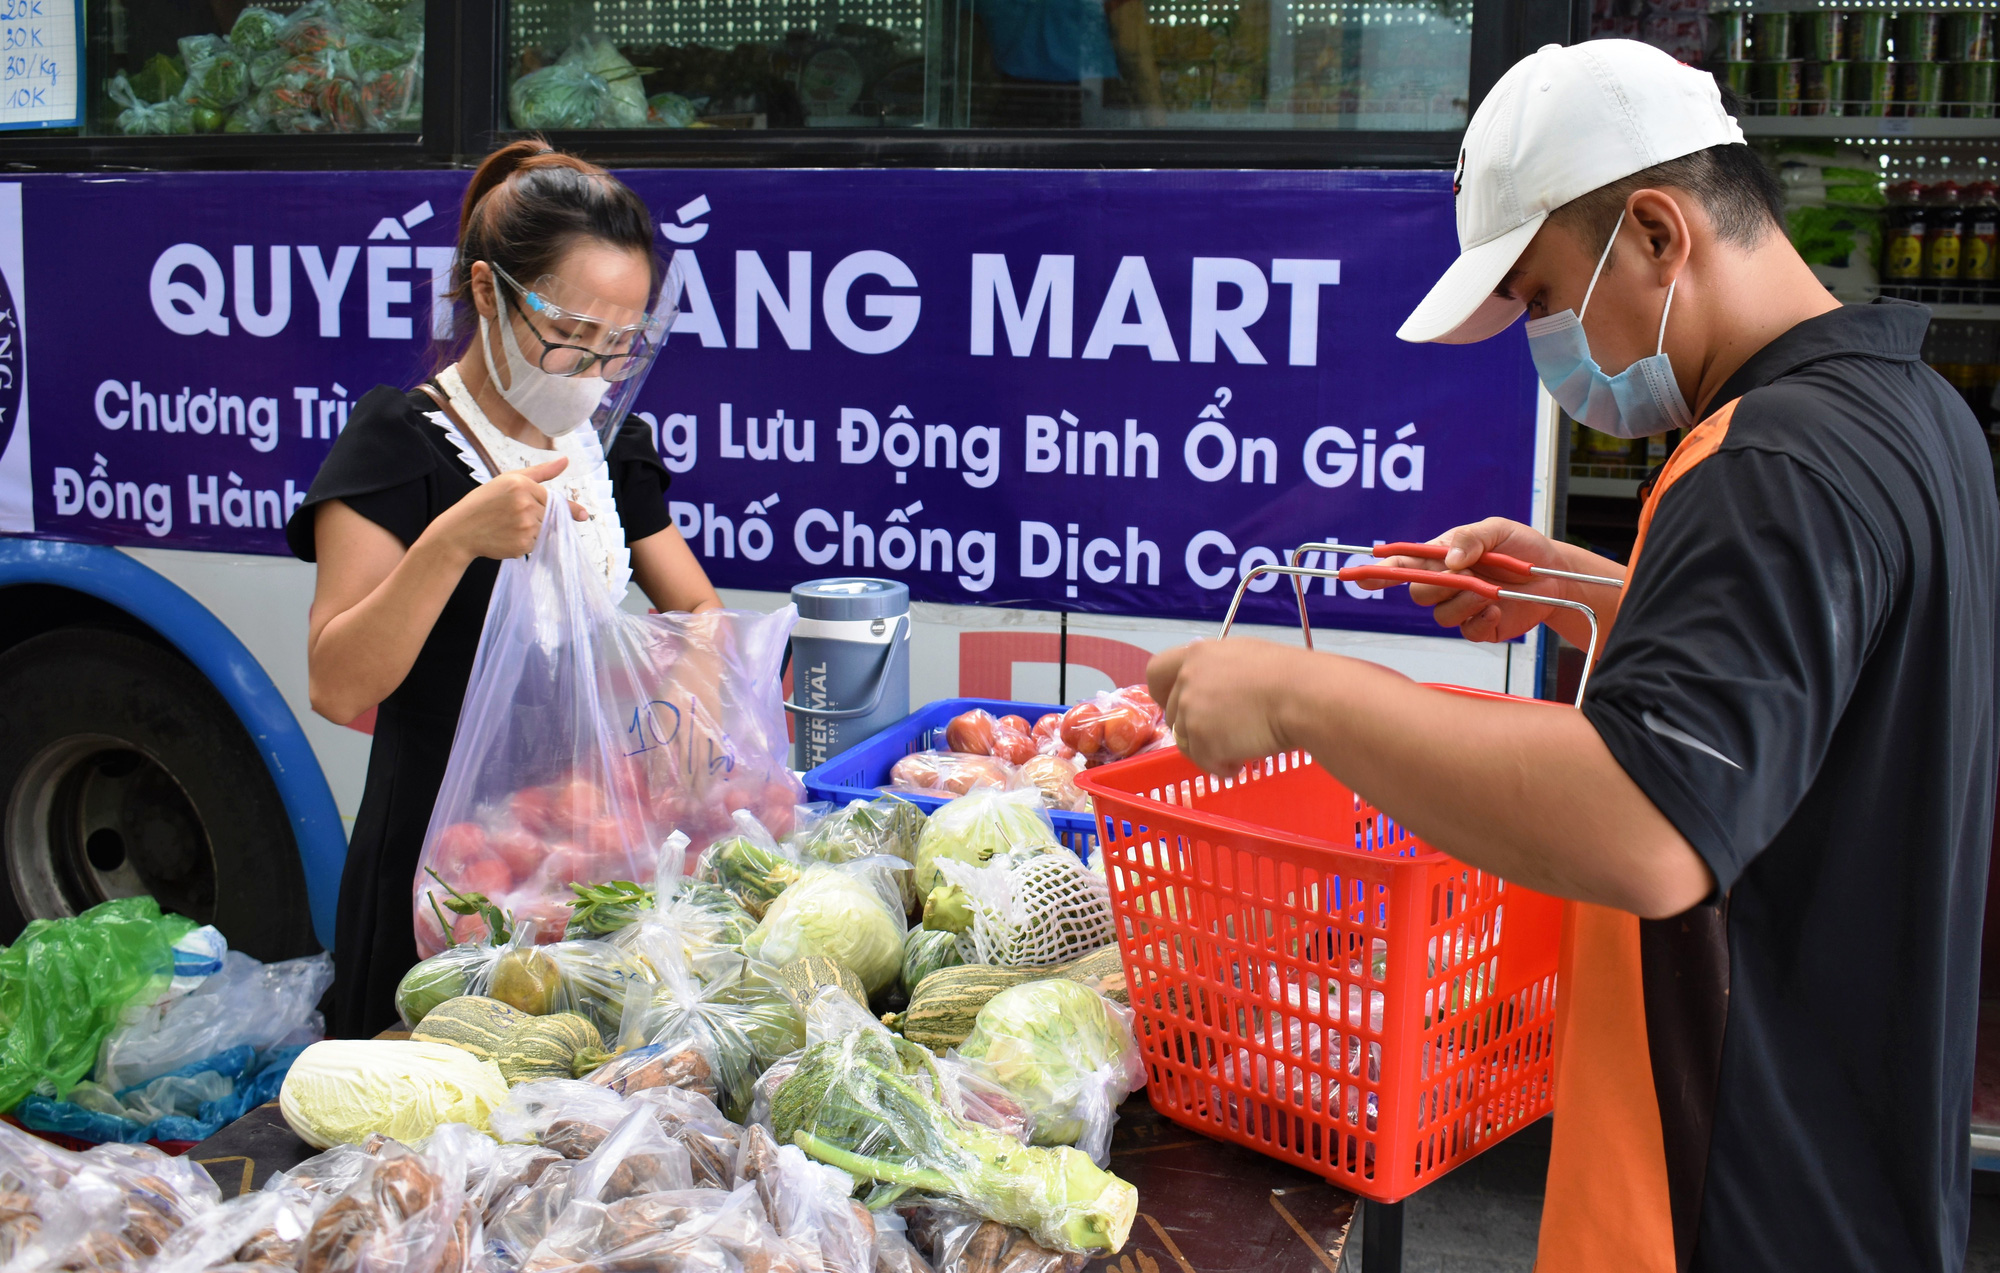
(587, 480)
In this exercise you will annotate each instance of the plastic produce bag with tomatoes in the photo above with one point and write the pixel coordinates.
(1114, 725)
(589, 735)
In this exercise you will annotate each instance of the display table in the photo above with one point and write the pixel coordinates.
(1204, 1207)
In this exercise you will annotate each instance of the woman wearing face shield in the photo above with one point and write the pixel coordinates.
(426, 491)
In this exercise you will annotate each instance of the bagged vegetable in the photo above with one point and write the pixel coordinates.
(980, 733)
(961, 1242)
(670, 110)
(114, 1209)
(851, 914)
(887, 826)
(246, 1004)
(693, 1120)
(1055, 777)
(589, 734)
(857, 1103)
(346, 1090)
(1116, 724)
(262, 1228)
(141, 118)
(740, 1018)
(406, 1213)
(217, 80)
(560, 96)
(975, 827)
(589, 978)
(750, 864)
(951, 773)
(569, 1117)
(624, 104)
(256, 30)
(64, 982)
(293, 94)
(925, 951)
(311, 28)
(1022, 910)
(808, 1204)
(894, 1252)
(1047, 734)
(1067, 1053)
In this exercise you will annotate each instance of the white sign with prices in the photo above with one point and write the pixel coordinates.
(41, 63)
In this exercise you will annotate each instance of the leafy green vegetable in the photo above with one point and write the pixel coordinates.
(742, 1019)
(559, 96)
(752, 873)
(858, 1103)
(948, 909)
(835, 912)
(159, 80)
(979, 824)
(926, 951)
(887, 825)
(624, 105)
(256, 30)
(1065, 1053)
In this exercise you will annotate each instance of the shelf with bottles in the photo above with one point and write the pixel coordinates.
(1968, 355)
(1804, 69)
(1604, 466)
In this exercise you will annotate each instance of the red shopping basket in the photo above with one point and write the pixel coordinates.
(1313, 981)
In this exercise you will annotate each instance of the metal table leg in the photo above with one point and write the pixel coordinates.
(1381, 1237)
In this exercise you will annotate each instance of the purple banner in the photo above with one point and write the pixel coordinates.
(1090, 391)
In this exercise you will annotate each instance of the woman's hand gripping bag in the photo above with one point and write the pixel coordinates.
(588, 735)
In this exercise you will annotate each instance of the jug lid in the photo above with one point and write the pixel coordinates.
(853, 597)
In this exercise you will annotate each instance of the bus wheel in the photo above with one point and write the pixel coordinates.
(123, 772)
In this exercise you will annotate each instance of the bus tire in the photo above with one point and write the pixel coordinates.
(123, 771)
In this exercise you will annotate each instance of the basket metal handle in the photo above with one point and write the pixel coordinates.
(1397, 574)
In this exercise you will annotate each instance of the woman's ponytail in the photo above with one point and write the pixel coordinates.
(525, 207)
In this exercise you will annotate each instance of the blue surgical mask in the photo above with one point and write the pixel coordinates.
(1638, 402)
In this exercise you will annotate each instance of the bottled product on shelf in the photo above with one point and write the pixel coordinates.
(1807, 59)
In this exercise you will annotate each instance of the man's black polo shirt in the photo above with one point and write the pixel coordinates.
(1802, 678)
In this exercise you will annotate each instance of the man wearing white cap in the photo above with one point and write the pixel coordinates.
(1774, 812)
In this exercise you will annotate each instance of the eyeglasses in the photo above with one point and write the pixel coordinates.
(616, 350)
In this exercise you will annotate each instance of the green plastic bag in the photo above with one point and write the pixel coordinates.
(63, 984)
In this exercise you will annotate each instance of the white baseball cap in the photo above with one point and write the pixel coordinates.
(1561, 122)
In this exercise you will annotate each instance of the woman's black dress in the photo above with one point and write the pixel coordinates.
(398, 469)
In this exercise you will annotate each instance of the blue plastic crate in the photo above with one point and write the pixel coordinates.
(860, 772)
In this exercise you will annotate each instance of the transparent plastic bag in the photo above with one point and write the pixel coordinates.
(894, 1252)
(218, 78)
(887, 826)
(925, 951)
(1022, 910)
(692, 1119)
(961, 1242)
(981, 733)
(976, 827)
(852, 914)
(1114, 725)
(115, 1211)
(750, 864)
(638, 1157)
(265, 1227)
(405, 1213)
(858, 1103)
(589, 734)
(680, 918)
(246, 1004)
(951, 773)
(558, 96)
(569, 1116)
(1066, 1053)
(1055, 777)
(64, 984)
(740, 1019)
(809, 1204)
(141, 118)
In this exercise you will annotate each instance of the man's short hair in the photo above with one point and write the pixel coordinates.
(1733, 185)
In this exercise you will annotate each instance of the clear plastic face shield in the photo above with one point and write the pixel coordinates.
(572, 334)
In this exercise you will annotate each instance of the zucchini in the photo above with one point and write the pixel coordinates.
(804, 977)
(471, 1024)
(943, 1009)
(563, 1045)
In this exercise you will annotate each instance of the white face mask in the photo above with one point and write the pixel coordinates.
(554, 404)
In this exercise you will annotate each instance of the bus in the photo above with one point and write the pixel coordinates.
(1067, 313)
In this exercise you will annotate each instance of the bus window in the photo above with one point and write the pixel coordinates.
(176, 67)
(1377, 65)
